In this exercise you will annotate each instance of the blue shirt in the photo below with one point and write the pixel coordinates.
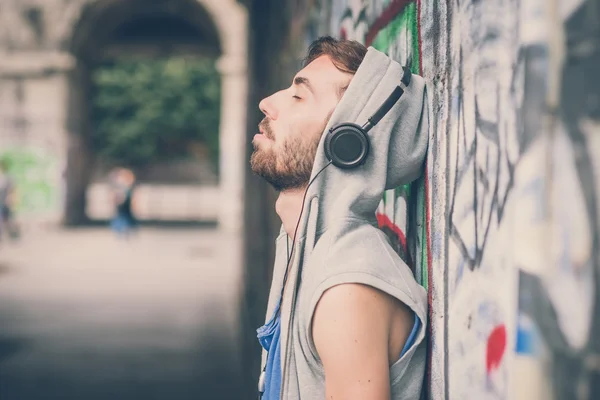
(269, 335)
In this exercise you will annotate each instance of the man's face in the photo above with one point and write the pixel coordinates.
(285, 148)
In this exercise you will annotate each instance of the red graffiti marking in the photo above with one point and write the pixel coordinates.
(343, 34)
(385, 222)
(495, 348)
(392, 10)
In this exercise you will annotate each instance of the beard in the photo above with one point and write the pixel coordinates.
(291, 165)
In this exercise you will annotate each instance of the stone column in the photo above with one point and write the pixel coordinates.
(232, 138)
(79, 157)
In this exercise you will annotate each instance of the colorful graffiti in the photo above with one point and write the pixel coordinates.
(559, 300)
(32, 172)
(496, 345)
(510, 260)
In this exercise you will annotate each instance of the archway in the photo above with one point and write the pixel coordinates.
(110, 29)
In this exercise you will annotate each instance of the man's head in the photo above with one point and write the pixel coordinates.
(295, 118)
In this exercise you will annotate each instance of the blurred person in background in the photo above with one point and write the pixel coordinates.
(123, 182)
(8, 226)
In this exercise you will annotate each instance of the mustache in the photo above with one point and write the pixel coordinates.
(265, 127)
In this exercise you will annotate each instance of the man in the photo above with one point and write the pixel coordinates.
(123, 186)
(346, 319)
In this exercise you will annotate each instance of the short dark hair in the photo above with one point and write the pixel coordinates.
(346, 55)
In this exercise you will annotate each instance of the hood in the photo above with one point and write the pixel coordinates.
(398, 145)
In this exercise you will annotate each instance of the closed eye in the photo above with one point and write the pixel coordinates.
(297, 97)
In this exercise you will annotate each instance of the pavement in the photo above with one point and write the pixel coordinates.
(84, 315)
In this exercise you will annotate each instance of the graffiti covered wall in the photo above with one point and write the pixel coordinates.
(559, 301)
(32, 141)
(502, 229)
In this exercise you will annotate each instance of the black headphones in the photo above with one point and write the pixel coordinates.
(347, 144)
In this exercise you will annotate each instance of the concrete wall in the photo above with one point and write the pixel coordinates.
(503, 227)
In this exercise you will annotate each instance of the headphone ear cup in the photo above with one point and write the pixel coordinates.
(347, 146)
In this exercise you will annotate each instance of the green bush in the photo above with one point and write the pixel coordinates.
(155, 110)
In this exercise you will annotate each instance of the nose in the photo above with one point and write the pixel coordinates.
(267, 106)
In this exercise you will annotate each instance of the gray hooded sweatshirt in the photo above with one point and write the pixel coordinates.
(338, 240)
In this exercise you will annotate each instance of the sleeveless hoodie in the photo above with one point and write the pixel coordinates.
(338, 240)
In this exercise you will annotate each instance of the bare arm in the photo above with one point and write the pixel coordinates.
(351, 332)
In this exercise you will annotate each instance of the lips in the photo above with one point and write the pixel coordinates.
(265, 129)
(261, 136)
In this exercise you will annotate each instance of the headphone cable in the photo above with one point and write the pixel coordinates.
(295, 293)
(290, 253)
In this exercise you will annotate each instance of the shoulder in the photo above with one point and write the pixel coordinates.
(361, 242)
(352, 304)
(351, 316)
(360, 272)
(363, 255)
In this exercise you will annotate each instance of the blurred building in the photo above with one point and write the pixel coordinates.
(47, 52)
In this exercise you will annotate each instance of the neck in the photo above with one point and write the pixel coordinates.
(288, 207)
